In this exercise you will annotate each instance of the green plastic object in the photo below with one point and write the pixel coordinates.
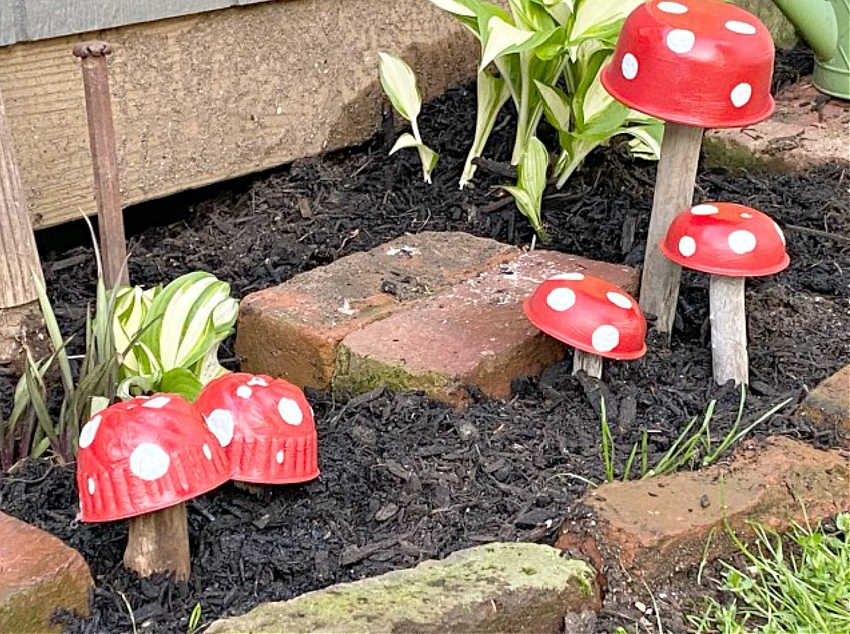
(825, 25)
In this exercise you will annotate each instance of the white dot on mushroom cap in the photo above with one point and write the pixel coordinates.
(618, 299)
(672, 7)
(88, 432)
(279, 457)
(207, 452)
(744, 28)
(243, 391)
(255, 380)
(741, 241)
(575, 277)
(605, 338)
(741, 94)
(687, 246)
(780, 232)
(220, 422)
(704, 210)
(91, 486)
(629, 66)
(157, 403)
(289, 411)
(149, 461)
(680, 40)
(746, 215)
(561, 299)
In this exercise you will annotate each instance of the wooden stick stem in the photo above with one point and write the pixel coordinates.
(674, 191)
(728, 329)
(159, 542)
(590, 363)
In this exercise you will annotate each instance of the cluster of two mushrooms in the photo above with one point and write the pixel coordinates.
(143, 459)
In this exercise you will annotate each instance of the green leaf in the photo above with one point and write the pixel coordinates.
(399, 84)
(557, 106)
(531, 183)
(427, 156)
(646, 141)
(591, 13)
(503, 38)
(492, 92)
(454, 6)
(181, 381)
(53, 332)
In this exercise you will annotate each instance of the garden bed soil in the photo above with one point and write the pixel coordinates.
(404, 478)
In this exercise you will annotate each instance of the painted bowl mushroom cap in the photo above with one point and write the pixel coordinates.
(590, 314)
(145, 455)
(265, 426)
(726, 239)
(702, 63)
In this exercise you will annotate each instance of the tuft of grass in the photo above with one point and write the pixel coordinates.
(799, 583)
(693, 448)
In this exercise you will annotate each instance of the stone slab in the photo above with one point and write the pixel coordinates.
(293, 330)
(38, 575)
(807, 129)
(492, 588)
(828, 405)
(660, 525)
(473, 334)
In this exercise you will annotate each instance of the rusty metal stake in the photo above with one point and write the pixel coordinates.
(104, 160)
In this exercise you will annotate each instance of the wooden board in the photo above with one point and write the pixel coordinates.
(208, 97)
(28, 20)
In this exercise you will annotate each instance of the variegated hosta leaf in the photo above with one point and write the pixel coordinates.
(453, 6)
(492, 92)
(557, 106)
(646, 141)
(131, 309)
(500, 38)
(591, 13)
(531, 183)
(427, 156)
(399, 84)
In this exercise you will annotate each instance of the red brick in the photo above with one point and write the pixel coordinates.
(828, 405)
(660, 525)
(38, 575)
(293, 330)
(473, 334)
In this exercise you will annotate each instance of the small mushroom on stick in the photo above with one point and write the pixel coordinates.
(695, 64)
(142, 459)
(731, 242)
(594, 316)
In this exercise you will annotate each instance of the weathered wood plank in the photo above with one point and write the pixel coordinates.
(207, 97)
(28, 20)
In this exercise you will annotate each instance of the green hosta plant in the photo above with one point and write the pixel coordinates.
(531, 181)
(399, 84)
(546, 56)
(172, 334)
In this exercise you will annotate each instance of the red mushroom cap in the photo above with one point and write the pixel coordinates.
(265, 425)
(590, 314)
(726, 239)
(145, 455)
(702, 63)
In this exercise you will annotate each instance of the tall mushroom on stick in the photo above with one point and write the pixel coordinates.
(731, 242)
(142, 459)
(695, 64)
(594, 316)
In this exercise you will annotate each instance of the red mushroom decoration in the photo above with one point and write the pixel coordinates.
(594, 316)
(265, 427)
(731, 242)
(142, 459)
(695, 64)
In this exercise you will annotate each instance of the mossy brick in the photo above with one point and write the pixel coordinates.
(38, 575)
(497, 587)
(472, 334)
(657, 526)
(828, 405)
(293, 330)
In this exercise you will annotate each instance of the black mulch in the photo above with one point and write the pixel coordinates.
(403, 478)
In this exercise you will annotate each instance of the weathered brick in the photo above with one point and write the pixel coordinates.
(661, 525)
(828, 405)
(38, 575)
(472, 334)
(493, 588)
(292, 330)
